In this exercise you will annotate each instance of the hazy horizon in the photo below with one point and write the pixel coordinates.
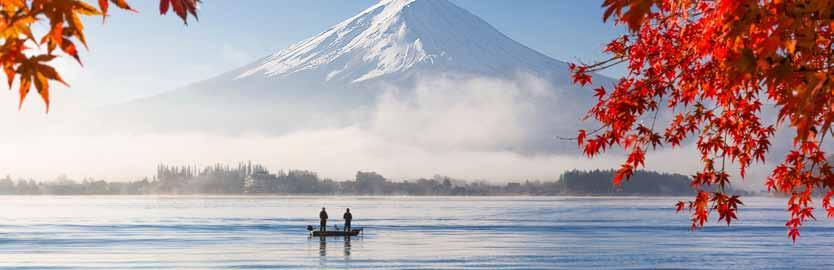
(495, 128)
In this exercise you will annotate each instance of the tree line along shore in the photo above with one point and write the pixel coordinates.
(248, 178)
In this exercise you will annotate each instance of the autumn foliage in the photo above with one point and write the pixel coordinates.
(713, 65)
(25, 57)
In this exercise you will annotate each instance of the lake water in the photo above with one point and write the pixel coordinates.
(400, 233)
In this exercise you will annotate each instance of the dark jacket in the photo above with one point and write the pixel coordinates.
(323, 215)
(348, 217)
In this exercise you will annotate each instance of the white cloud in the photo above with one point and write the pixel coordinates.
(474, 128)
(444, 114)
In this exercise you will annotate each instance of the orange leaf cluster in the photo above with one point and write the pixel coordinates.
(713, 64)
(65, 29)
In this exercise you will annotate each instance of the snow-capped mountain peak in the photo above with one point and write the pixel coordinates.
(395, 36)
(378, 68)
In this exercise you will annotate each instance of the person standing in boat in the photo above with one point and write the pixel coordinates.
(348, 217)
(323, 218)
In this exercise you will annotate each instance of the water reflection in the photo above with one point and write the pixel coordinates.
(323, 246)
(347, 246)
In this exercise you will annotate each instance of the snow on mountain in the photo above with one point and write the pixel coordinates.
(449, 69)
(395, 36)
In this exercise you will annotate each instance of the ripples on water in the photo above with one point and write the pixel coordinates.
(401, 233)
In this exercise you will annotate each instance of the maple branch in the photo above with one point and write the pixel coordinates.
(607, 63)
(589, 133)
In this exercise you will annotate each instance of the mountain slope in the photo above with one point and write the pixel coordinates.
(429, 58)
(396, 36)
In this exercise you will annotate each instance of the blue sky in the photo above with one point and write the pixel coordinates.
(141, 54)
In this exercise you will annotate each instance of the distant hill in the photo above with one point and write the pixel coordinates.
(645, 183)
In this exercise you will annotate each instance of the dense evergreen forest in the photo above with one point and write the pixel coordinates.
(248, 178)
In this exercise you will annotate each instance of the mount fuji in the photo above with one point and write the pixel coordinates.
(422, 64)
(397, 38)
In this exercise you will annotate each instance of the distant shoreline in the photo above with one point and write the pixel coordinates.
(748, 194)
(247, 179)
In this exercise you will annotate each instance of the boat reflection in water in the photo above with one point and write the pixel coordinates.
(347, 246)
(323, 237)
(323, 246)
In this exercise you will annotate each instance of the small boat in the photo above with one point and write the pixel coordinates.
(353, 232)
(336, 233)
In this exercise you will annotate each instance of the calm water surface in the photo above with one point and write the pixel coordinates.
(401, 233)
